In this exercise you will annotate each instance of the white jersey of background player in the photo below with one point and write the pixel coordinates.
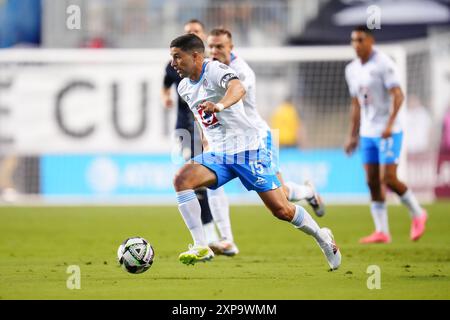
(368, 82)
(220, 45)
(248, 79)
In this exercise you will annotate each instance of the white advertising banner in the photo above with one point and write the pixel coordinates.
(81, 107)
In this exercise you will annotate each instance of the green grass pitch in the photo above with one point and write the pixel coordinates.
(276, 261)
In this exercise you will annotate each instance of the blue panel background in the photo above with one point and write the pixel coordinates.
(151, 175)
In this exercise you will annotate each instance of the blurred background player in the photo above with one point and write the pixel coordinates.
(376, 100)
(419, 118)
(185, 121)
(8, 166)
(291, 131)
(220, 45)
(214, 92)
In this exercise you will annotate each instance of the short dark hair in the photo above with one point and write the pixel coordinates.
(188, 42)
(363, 28)
(220, 32)
(196, 21)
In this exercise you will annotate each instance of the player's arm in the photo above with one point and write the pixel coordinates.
(355, 118)
(235, 92)
(166, 96)
(397, 100)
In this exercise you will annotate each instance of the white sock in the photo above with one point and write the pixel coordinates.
(298, 192)
(410, 201)
(210, 232)
(378, 210)
(191, 211)
(302, 220)
(220, 210)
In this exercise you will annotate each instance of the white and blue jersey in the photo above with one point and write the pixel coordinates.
(235, 144)
(370, 84)
(248, 80)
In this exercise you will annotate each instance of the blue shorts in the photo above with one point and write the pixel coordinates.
(253, 168)
(383, 151)
(273, 151)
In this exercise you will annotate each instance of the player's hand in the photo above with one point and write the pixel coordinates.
(168, 102)
(209, 107)
(387, 133)
(351, 145)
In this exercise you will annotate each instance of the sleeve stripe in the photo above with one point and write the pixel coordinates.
(392, 85)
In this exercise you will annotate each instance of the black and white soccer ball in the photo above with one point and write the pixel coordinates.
(135, 255)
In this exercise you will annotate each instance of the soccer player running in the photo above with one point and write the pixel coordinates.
(376, 100)
(185, 121)
(213, 92)
(220, 45)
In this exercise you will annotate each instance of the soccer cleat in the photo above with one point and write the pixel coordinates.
(376, 237)
(224, 247)
(329, 248)
(418, 226)
(315, 201)
(195, 254)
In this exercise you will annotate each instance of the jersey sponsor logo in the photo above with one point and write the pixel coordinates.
(205, 83)
(223, 66)
(208, 119)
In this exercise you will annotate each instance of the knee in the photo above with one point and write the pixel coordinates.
(285, 213)
(389, 179)
(181, 182)
(285, 191)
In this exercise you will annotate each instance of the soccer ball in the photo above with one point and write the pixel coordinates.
(135, 255)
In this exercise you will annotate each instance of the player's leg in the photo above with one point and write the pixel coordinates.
(295, 192)
(218, 202)
(190, 177)
(378, 208)
(206, 170)
(196, 148)
(275, 200)
(389, 154)
(220, 210)
(207, 217)
(257, 174)
(417, 213)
